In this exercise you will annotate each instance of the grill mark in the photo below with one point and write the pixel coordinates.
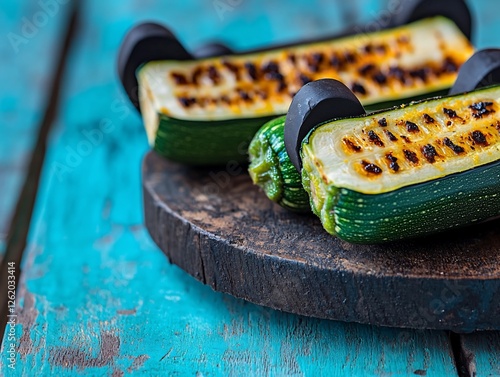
(351, 145)
(455, 148)
(382, 122)
(480, 109)
(270, 66)
(232, 68)
(398, 74)
(479, 138)
(451, 113)
(187, 101)
(202, 101)
(379, 78)
(371, 168)
(428, 119)
(281, 86)
(358, 88)
(405, 138)
(274, 76)
(261, 94)
(319, 57)
(449, 66)
(214, 75)
(367, 68)
(314, 62)
(393, 164)
(350, 57)
(336, 62)
(304, 79)
(375, 139)
(429, 153)
(411, 156)
(251, 70)
(391, 136)
(244, 95)
(421, 74)
(179, 78)
(412, 127)
(196, 75)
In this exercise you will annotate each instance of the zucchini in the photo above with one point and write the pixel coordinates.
(206, 111)
(406, 172)
(271, 169)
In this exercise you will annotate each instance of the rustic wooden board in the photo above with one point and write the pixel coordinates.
(28, 30)
(223, 230)
(97, 297)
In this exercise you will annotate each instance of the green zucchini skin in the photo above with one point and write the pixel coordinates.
(271, 168)
(457, 200)
(222, 141)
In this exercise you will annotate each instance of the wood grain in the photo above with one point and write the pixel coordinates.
(99, 298)
(481, 354)
(27, 30)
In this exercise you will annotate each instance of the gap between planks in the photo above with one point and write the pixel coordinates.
(463, 361)
(20, 224)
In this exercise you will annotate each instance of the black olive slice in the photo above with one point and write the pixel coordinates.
(315, 103)
(413, 10)
(481, 70)
(144, 43)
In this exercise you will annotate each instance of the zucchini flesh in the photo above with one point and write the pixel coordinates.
(415, 59)
(407, 172)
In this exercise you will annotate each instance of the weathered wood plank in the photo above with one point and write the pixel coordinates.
(31, 32)
(99, 298)
(481, 353)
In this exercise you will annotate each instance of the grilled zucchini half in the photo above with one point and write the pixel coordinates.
(406, 172)
(207, 111)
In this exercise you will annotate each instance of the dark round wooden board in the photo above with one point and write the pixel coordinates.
(220, 228)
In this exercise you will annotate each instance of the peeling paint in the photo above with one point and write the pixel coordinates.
(138, 363)
(67, 357)
(126, 311)
(27, 318)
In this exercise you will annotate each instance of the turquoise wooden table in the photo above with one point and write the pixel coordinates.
(94, 295)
